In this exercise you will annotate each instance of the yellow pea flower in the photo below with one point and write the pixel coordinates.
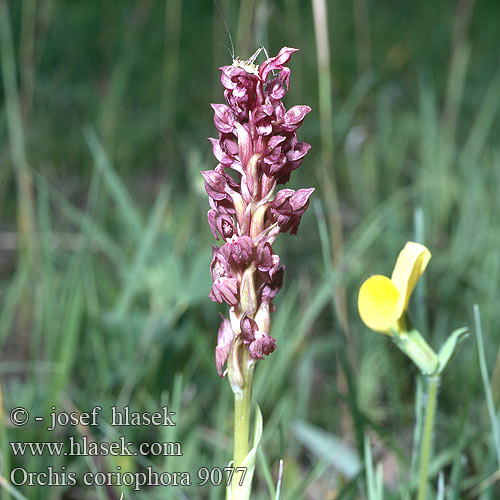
(382, 302)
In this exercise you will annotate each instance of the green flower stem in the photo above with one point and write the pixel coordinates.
(242, 402)
(425, 450)
(242, 422)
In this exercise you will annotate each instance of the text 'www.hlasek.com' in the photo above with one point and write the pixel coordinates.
(117, 461)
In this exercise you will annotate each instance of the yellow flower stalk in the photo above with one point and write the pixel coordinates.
(382, 302)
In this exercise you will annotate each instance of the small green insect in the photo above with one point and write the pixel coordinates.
(248, 65)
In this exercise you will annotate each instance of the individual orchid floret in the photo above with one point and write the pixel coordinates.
(221, 223)
(223, 118)
(288, 207)
(257, 149)
(225, 287)
(277, 64)
(259, 343)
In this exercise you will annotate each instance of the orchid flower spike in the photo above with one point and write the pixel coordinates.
(257, 140)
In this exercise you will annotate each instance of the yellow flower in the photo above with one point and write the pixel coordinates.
(382, 302)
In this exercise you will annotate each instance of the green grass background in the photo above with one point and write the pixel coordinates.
(105, 248)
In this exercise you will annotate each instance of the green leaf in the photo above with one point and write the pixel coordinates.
(328, 447)
(450, 346)
(441, 487)
(369, 472)
(374, 477)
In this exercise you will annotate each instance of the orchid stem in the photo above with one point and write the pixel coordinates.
(425, 450)
(241, 426)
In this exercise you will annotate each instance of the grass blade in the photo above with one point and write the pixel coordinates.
(146, 242)
(122, 197)
(486, 382)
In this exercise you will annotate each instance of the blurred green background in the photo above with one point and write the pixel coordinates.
(105, 248)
